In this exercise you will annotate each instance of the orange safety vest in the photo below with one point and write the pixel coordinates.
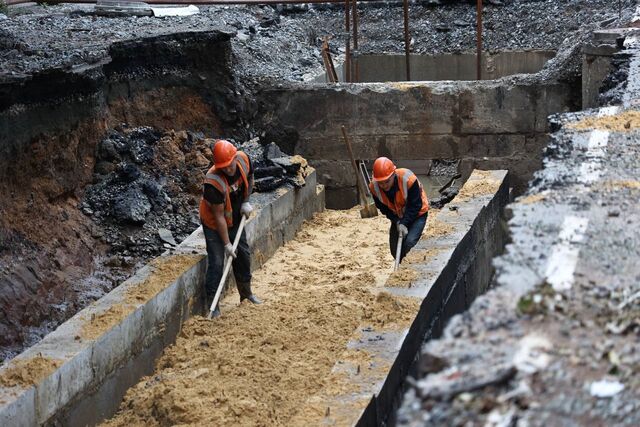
(220, 181)
(405, 179)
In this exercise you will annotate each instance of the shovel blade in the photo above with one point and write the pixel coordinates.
(369, 211)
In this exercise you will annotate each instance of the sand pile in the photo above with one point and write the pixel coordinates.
(487, 184)
(257, 365)
(623, 122)
(29, 371)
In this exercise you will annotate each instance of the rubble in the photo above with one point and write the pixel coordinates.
(562, 310)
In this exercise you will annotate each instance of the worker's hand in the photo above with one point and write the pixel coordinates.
(228, 250)
(402, 230)
(246, 209)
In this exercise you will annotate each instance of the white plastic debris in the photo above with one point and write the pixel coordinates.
(532, 355)
(605, 388)
(160, 12)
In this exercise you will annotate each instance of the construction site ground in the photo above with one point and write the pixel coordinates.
(554, 342)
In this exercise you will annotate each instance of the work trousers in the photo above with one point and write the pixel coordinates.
(410, 240)
(215, 256)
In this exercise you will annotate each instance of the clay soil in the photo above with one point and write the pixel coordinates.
(257, 365)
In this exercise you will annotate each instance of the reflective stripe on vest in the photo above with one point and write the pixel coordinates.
(221, 183)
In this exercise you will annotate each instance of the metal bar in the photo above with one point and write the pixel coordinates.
(479, 40)
(355, 41)
(332, 76)
(405, 5)
(187, 2)
(347, 51)
(326, 60)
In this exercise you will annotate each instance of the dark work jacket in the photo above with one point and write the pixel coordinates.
(414, 203)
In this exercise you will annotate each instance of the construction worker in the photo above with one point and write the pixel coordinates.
(399, 195)
(225, 198)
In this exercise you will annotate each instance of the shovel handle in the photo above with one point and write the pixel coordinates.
(227, 267)
(398, 252)
(361, 190)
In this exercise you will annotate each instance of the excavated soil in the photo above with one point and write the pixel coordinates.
(623, 122)
(28, 372)
(257, 365)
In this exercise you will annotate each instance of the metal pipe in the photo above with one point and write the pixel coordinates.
(355, 40)
(347, 50)
(479, 40)
(187, 2)
(406, 38)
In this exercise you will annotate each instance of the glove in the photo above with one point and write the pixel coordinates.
(402, 230)
(228, 250)
(246, 209)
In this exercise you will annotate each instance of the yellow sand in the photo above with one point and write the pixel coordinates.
(28, 372)
(258, 365)
(623, 122)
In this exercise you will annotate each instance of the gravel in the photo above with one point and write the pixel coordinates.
(276, 45)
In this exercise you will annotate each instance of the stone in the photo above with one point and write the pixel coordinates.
(132, 206)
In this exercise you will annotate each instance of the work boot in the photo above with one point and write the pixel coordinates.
(244, 288)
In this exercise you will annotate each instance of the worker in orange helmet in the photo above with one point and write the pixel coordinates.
(225, 198)
(399, 195)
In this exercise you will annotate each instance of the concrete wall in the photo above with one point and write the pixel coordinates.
(500, 124)
(448, 283)
(461, 66)
(96, 371)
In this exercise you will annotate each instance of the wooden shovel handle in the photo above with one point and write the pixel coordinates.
(361, 190)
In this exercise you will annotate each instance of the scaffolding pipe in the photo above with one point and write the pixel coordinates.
(405, 5)
(479, 40)
(187, 2)
(347, 50)
(356, 71)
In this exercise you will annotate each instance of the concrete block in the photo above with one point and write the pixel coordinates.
(18, 407)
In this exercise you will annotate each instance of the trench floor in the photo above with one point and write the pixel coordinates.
(257, 365)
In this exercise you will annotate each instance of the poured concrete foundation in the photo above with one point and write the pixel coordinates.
(104, 349)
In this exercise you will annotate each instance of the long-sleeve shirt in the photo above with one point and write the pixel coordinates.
(412, 207)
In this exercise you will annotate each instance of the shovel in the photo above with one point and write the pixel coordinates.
(398, 251)
(227, 266)
(368, 209)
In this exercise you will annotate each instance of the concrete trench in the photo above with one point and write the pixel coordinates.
(496, 125)
(106, 348)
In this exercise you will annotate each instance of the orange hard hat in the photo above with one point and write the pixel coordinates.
(383, 168)
(223, 153)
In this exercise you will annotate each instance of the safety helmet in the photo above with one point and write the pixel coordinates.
(383, 168)
(223, 153)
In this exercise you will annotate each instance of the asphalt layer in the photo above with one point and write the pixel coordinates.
(555, 341)
(284, 44)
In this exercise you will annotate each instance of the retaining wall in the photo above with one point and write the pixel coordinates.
(107, 347)
(498, 124)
